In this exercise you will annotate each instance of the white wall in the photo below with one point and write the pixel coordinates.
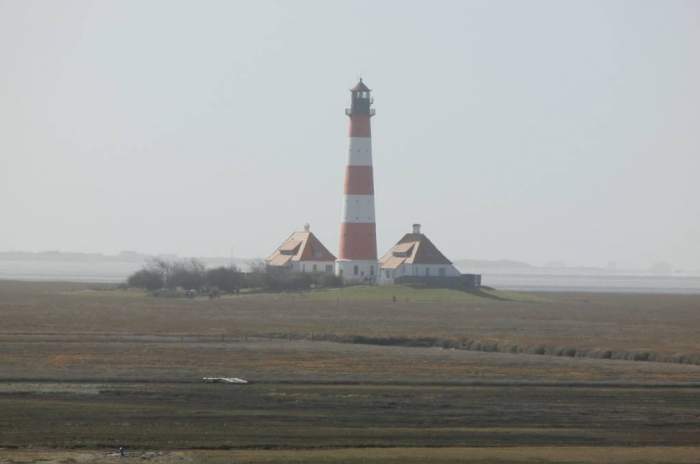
(418, 270)
(308, 266)
(366, 270)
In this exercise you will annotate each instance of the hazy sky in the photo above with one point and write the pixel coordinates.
(535, 131)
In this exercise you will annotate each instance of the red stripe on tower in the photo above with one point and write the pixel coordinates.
(358, 236)
(359, 180)
(362, 244)
(360, 126)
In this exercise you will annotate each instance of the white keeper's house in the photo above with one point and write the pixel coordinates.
(414, 256)
(302, 252)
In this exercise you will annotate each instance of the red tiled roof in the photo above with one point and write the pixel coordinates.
(413, 249)
(405, 247)
(392, 262)
(279, 260)
(300, 246)
(290, 246)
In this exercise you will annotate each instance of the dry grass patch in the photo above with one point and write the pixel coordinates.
(607, 326)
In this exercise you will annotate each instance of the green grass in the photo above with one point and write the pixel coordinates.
(356, 293)
(405, 293)
(642, 327)
(181, 416)
(386, 293)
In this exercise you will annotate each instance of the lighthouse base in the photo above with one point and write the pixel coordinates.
(357, 271)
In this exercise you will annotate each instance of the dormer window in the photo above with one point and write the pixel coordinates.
(403, 250)
(289, 248)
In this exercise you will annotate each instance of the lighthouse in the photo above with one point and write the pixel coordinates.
(357, 258)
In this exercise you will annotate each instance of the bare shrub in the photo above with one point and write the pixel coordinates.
(227, 279)
(187, 274)
(147, 279)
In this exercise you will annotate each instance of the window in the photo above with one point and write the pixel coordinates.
(329, 268)
(427, 271)
(355, 270)
(441, 272)
(387, 273)
(314, 268)
(371, 270)
(303, 268)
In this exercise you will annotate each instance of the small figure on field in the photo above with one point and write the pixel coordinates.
(122, 451)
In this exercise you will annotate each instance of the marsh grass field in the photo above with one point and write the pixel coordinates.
(348, 375)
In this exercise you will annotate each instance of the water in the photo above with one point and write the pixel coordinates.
(617, 283)
(72, 271)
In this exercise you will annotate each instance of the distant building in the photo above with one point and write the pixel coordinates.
(302, 252)
(415, 259)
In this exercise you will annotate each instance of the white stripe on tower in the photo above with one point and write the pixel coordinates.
(360, 153)
(358, 208)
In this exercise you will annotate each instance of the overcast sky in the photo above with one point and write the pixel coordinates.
(537, 131)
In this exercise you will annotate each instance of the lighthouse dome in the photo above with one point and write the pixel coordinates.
(360, 87)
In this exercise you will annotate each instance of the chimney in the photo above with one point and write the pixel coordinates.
(307, 227)
(416, 228)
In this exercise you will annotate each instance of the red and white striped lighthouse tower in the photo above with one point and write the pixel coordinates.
(357, 259)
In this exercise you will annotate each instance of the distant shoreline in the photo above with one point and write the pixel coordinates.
(113, 269)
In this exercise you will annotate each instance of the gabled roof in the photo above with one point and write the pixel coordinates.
(360, 87)
(414, 248)
(300, 246)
